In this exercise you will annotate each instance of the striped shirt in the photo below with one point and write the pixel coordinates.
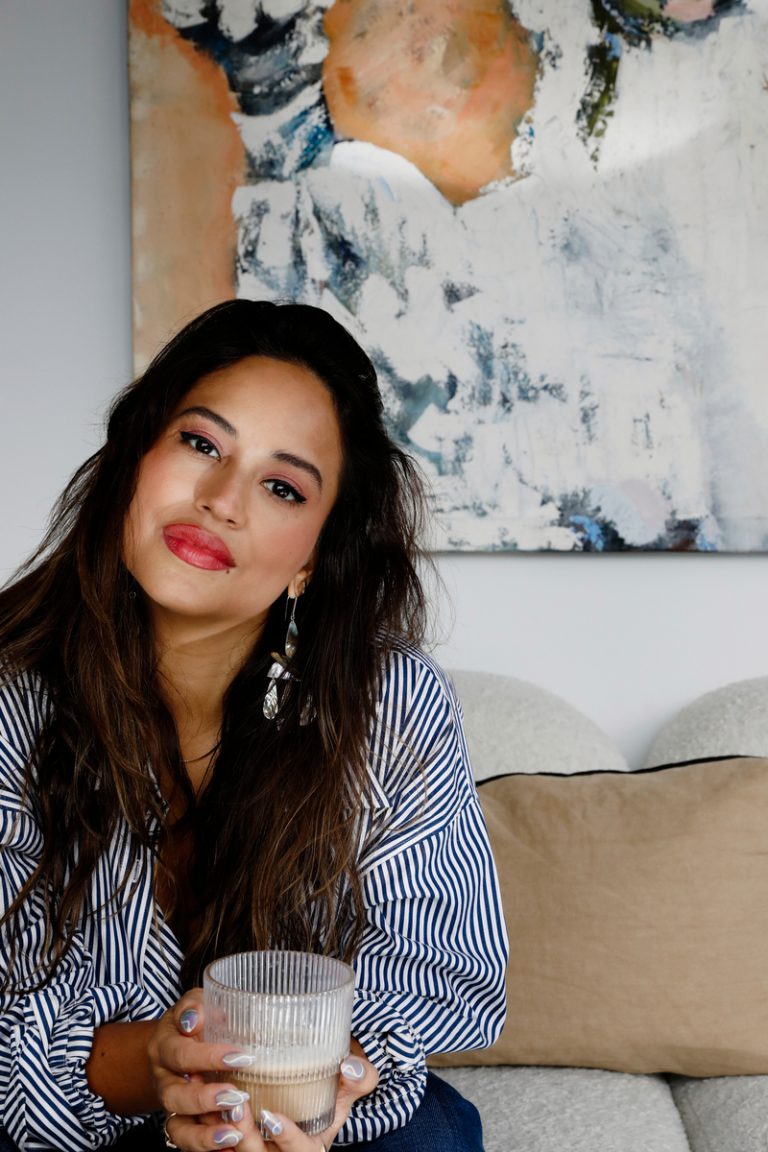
(429, 973)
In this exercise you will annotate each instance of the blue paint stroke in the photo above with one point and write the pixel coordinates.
(593, 531)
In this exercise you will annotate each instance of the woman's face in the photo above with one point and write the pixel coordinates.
(231, 499)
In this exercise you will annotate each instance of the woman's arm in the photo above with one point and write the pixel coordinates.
(431, 968)
(120, 968)
(119, 1069)
(47, 1035)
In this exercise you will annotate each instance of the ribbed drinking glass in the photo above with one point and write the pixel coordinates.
(292, 1011)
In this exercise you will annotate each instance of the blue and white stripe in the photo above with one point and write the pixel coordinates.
(430, 972)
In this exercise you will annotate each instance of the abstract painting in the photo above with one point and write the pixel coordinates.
(547, 222)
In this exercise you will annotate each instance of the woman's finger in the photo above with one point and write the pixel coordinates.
(198, 1098)
(186, 1015)
(358, 1078)
(177, 1049)
(288, 1137)
(204, 1133)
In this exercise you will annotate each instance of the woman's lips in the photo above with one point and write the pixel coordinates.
(198, 548)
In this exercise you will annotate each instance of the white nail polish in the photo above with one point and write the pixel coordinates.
(233, 1115)
(230, 1097)
(227, 1139)
(238, 1060)
(271, 1123)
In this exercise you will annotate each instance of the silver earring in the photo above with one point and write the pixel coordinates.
(279, 669)
(292, 634)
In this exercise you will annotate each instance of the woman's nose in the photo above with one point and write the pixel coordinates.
(222, 493)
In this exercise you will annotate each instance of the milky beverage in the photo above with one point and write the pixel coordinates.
(301, 1091)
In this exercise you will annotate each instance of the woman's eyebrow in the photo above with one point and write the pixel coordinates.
(209, 414)
(299, 462)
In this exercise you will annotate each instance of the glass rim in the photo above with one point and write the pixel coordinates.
(220, 986)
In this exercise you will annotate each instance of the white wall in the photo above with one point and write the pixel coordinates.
(64, 247)
(628, 639)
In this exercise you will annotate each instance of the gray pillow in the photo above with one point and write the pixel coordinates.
(731, 721)
(514, 726)
(574, 1110)
(728, 1112)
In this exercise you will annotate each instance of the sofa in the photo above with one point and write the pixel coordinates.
(636, 902)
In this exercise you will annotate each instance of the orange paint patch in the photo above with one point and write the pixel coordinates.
(689, 11)
(444, 83)
(187, 160)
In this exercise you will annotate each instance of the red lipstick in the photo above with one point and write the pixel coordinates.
(196, 547)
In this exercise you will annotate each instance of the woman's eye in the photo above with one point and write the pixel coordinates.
(200, 444)
(284, 491)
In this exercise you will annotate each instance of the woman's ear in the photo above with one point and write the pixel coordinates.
(299, 583)
(302, 577)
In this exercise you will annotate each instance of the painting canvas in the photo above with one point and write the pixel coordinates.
(547, 223)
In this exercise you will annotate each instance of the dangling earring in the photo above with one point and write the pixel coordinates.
(279, 668)
(292, 634)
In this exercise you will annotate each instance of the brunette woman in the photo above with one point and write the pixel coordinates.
(218, 733)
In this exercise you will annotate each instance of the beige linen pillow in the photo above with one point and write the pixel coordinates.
(637, 909)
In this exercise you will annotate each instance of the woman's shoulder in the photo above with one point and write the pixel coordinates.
(418, 737)
(410, 670)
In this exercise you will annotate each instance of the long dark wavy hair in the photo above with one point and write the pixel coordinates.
(274, 834)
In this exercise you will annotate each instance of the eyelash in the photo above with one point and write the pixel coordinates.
(295, 497)
(196, 440)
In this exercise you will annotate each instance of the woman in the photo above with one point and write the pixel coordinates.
(217, 734)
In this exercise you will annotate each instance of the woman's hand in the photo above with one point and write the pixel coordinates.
(205, 1115)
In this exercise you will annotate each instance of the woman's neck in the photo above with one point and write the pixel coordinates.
(195, 669)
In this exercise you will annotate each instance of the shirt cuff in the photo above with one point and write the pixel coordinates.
(397, 1053)
(51, 1087)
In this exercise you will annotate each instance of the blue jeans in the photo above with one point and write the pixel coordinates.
(443, 1122)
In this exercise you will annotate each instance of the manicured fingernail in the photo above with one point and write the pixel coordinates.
(271, 1123)
(227, 1137)
(230, 1097)
(233, 1115)
(188, 1020)
(352, 1068)
(238, 1060)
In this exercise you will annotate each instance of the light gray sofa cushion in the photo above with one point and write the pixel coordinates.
(514, 726)
(731, 721)
(724, 1114)
(573, 1110)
